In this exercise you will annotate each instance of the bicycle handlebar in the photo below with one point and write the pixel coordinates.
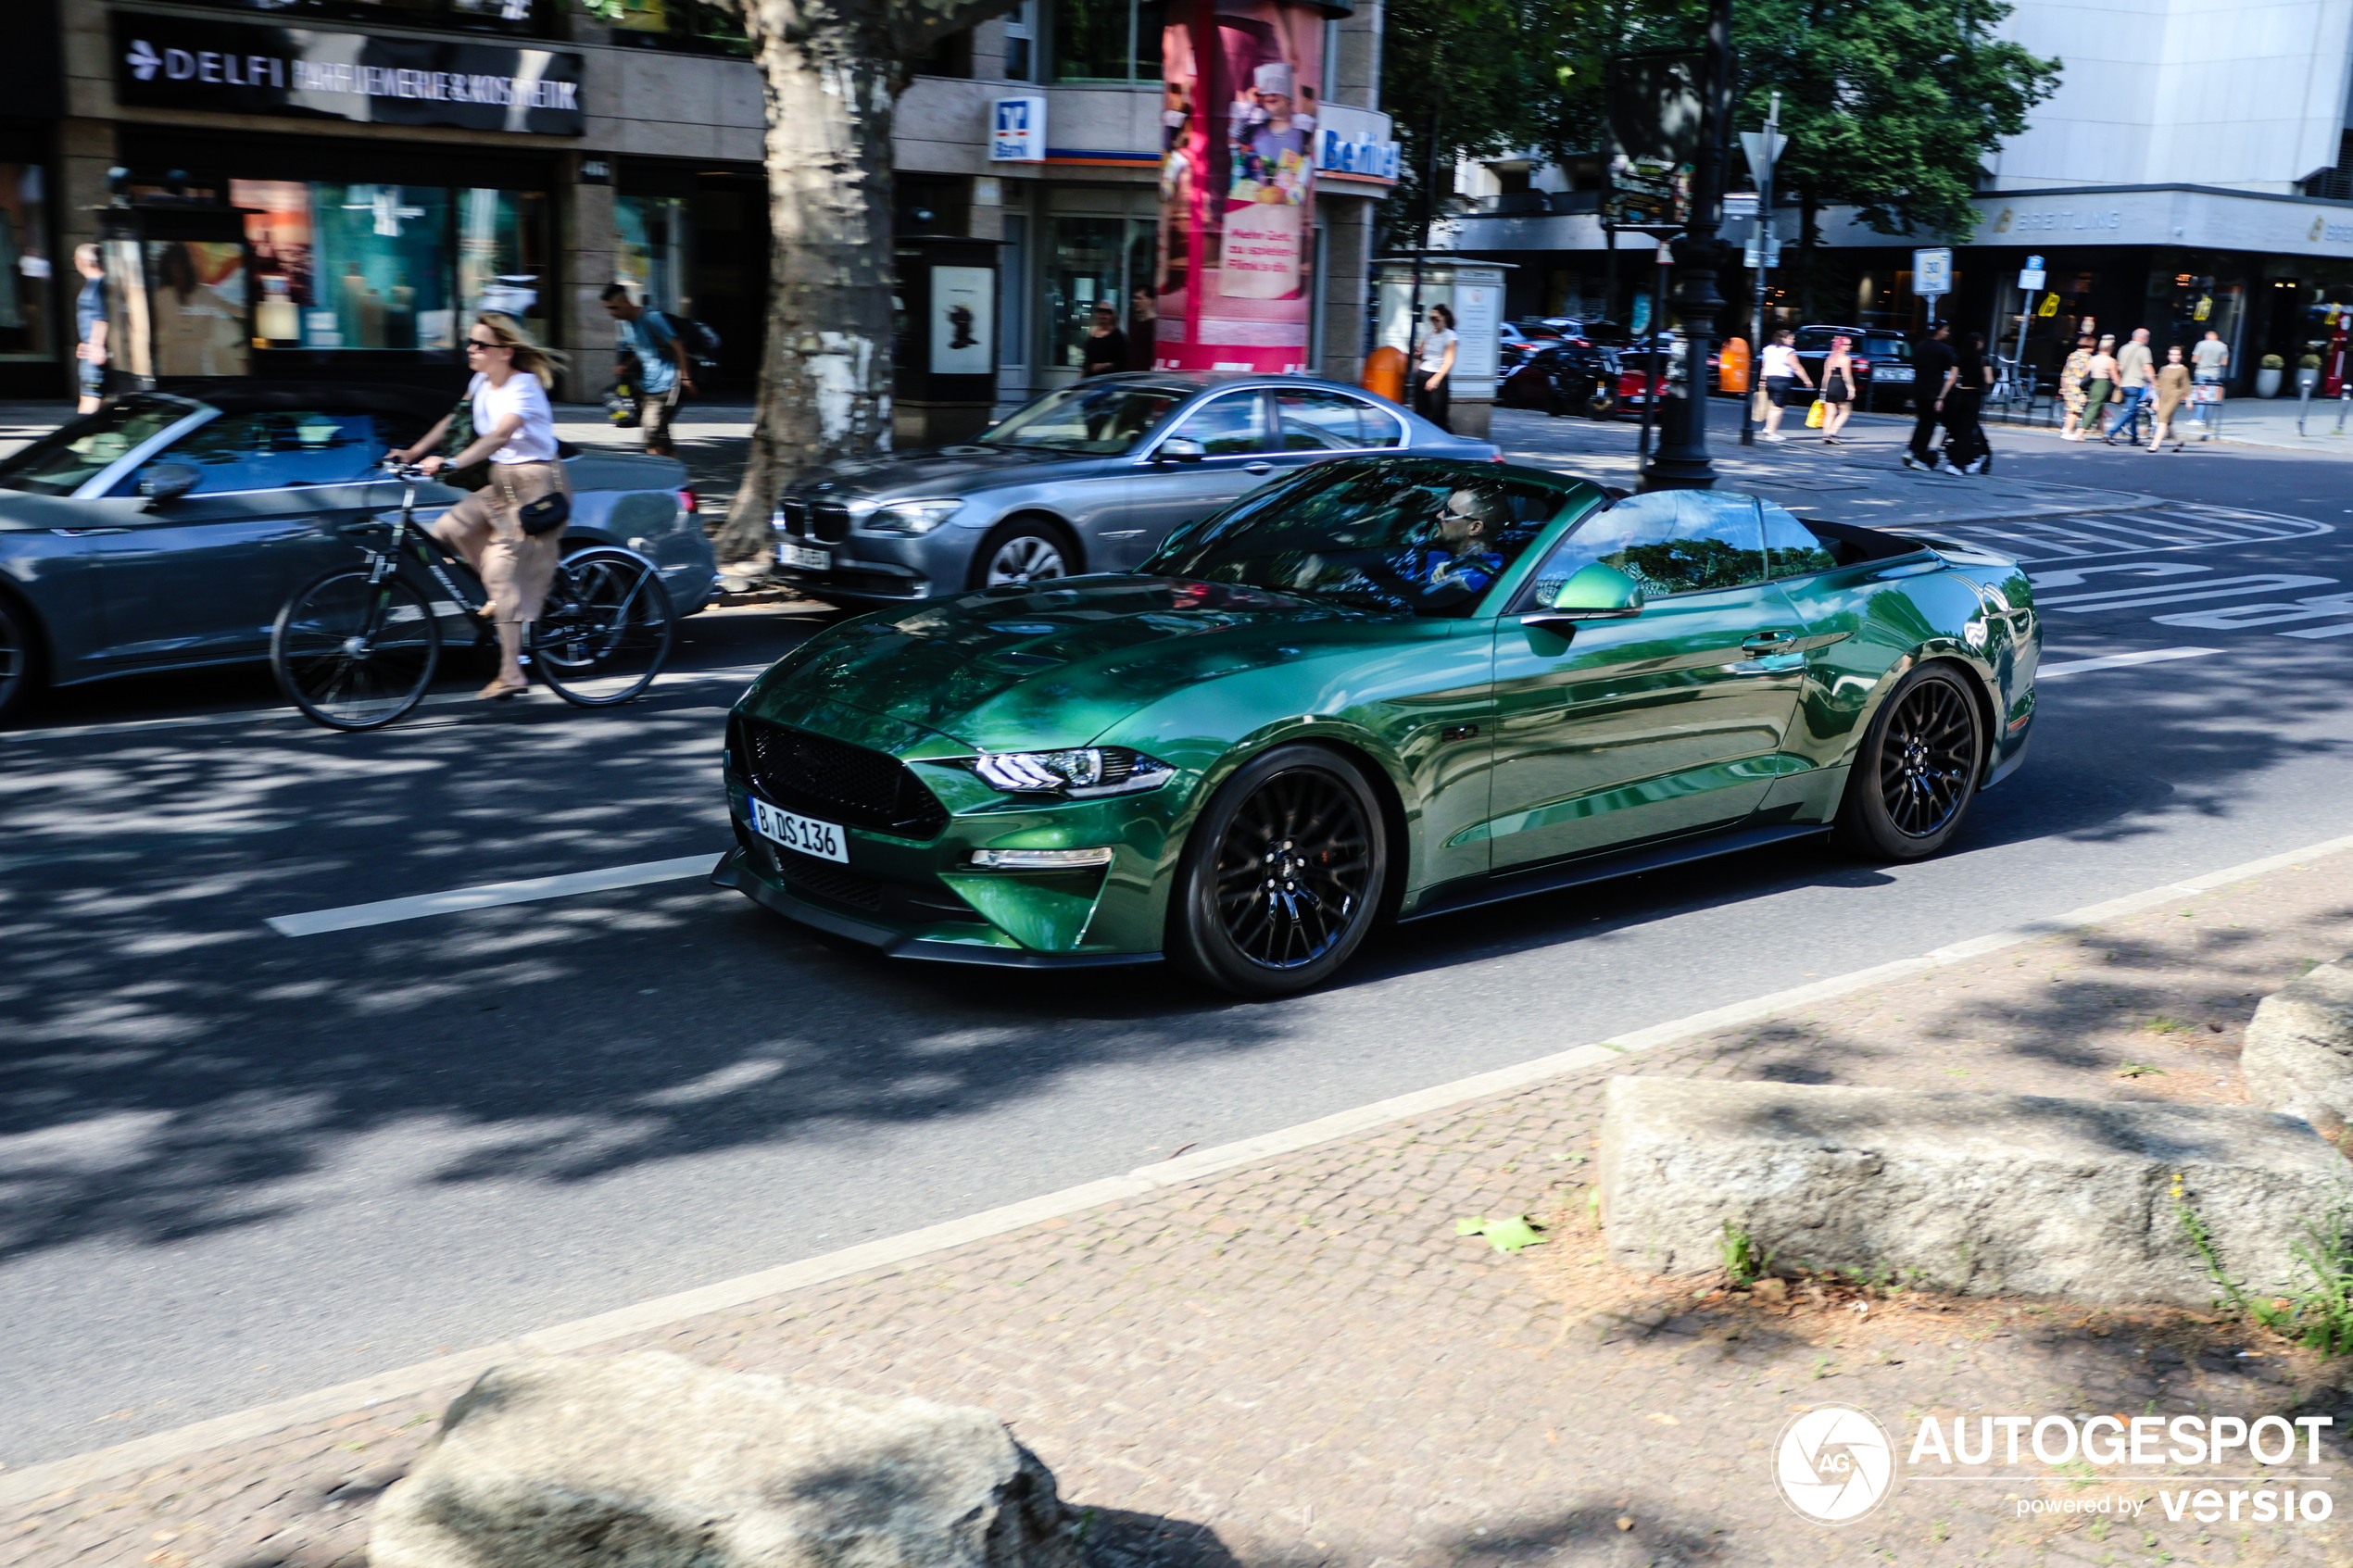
(400, 469)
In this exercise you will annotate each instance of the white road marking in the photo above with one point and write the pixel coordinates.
(2343, 629)
(491, 894)
(2172, 593)
(2244, 618)
(162, 1447)
(2117, 662)
(745, 673)
(2187, 526)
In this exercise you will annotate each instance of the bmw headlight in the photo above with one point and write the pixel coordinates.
(911, 517)
(1082, 772)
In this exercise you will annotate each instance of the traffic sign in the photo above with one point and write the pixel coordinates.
(1762, 154)
(1932, 271)
(2034, 264)
(2030, 278)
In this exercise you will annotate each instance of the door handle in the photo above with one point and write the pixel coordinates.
(86, 533)
(1765, 643)
(1258, 468)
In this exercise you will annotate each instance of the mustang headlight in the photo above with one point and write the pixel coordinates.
(1086, 772)
(911, 517)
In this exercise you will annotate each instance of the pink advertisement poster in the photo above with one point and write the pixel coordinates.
(1237, 248)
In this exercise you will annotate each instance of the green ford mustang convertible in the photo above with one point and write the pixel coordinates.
(1381, 689)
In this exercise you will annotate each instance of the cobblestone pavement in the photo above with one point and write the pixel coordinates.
(1300, 1363)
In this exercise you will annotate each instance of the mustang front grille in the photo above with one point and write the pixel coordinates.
(830, 779)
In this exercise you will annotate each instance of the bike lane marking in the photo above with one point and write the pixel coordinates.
(490, 896)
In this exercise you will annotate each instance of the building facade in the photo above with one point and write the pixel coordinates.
(2192, 171)
(384, 171)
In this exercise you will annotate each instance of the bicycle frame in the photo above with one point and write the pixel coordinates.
(430, 553)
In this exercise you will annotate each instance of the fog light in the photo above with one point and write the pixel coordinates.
(1039, 860)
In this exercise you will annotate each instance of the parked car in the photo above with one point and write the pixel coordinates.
(1563, 378)
(1881, 358)
(166, 529)
(1088, 477)
(1384, 688)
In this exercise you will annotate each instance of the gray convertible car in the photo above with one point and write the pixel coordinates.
(165, 530)
(1086, 478)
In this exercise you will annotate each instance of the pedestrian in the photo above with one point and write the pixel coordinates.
(1965, 447)
(1933, 366)
(1143, 328)
(2072, 391)
(1104, 348)
(2209, 361)
(1433, 368)
(90, 329)
(2099, 384)
(2171, 384)
(1783, 370)
(2135, 366)
(515, 430)
(665, 373)
(1838, 390)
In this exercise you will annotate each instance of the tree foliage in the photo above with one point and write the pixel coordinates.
(1892, 107)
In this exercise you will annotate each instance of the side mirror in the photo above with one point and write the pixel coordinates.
(168, 482)
(1179, 449)
(1595, 593)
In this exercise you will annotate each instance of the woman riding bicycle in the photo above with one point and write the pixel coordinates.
(515, 430)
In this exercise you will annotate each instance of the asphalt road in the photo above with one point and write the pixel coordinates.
(235, 1165)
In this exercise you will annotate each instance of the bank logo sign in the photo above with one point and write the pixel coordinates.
(169, 62)
(1018, 129)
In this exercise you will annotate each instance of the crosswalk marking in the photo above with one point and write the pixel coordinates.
(2117, 662)
(2048, 540)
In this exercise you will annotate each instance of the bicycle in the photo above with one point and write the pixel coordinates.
(356, 648)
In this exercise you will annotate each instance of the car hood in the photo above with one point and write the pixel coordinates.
(1039, 669)
(934, 469)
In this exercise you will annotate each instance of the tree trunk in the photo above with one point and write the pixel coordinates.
(825, 366)
(1810, 239)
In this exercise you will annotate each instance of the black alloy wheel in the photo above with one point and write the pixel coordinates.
(353, 654)
(1282, 875)
(1917, 773)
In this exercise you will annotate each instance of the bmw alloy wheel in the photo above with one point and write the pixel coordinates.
(1025, 557)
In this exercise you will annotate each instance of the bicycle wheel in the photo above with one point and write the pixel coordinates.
(354, 655)
(606, 629)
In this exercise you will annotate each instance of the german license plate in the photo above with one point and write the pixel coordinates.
(803, 556)
(824, 840)
(1894, 373)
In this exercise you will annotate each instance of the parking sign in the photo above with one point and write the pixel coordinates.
(1017, 131)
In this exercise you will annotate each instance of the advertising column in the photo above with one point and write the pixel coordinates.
(1234, 277)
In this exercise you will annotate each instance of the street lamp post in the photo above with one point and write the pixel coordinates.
(1681, 462)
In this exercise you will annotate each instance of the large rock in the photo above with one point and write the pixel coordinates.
(652, 1461)
(1981, 1193)
(2298, 1055)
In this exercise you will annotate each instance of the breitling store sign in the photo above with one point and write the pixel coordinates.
(183, 63)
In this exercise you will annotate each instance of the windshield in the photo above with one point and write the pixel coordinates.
(70, 456)
(1416, 538)
(1099, 418)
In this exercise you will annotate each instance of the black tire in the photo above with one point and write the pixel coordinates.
(1282, 875)
(353, 655)
(1916, 775)
(19, 658)
(606, 629)
(1023, 551)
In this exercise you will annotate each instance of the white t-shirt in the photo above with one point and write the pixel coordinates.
(535, 442)
(1434, 349)
(1780, 359)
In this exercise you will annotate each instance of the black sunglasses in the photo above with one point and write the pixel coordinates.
(475, 342)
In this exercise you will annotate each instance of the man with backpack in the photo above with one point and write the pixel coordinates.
(665, 369)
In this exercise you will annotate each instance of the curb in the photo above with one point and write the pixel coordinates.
(39, 1480)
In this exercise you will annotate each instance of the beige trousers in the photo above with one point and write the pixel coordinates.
(515, 567)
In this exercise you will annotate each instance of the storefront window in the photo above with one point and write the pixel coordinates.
(704, 26)
(649, 249)
(1098, 258)
(389, 266)
(25, 265)
(1108, 40)
(528, 18)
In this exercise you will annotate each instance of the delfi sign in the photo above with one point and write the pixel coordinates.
(1018, 129)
